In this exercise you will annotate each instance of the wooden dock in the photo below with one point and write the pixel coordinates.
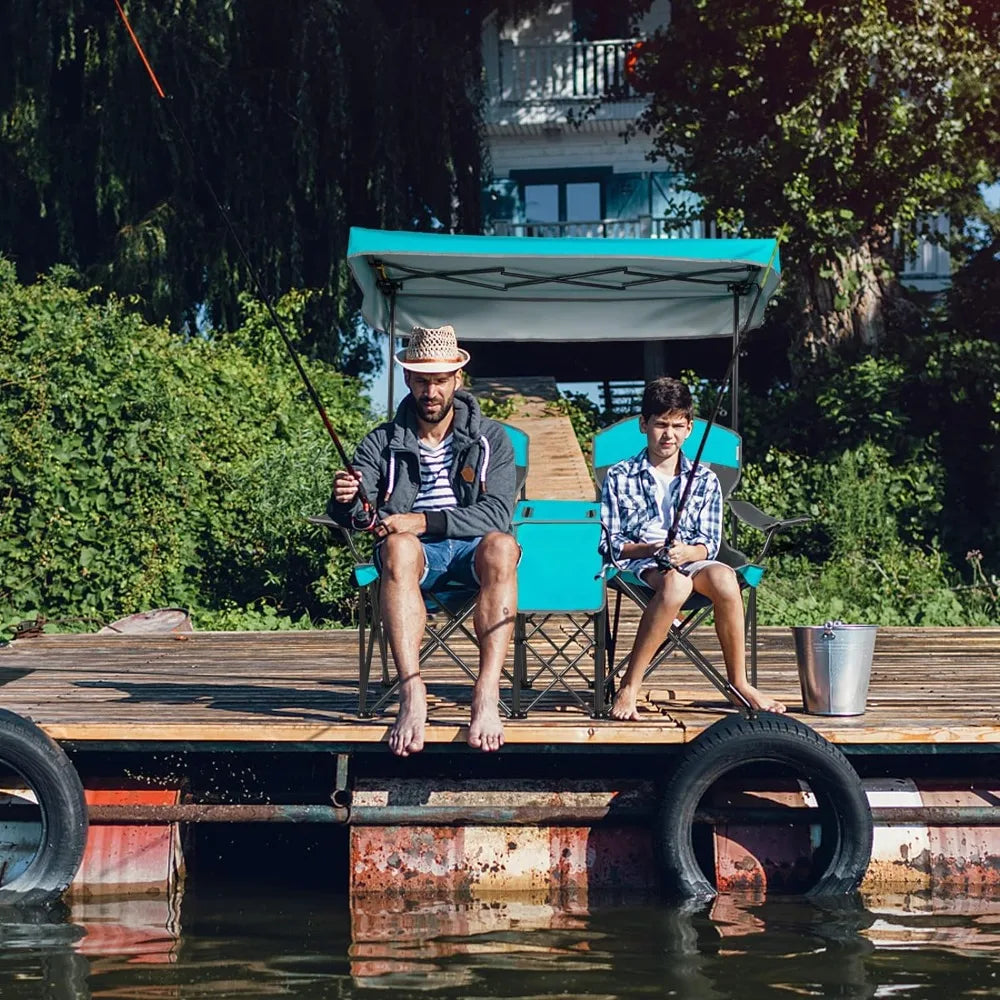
(929, 686)
(297, 688)
(179, 728)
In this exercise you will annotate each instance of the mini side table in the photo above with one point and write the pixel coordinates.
(560, 626)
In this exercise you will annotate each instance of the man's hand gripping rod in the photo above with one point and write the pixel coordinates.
(368, 519)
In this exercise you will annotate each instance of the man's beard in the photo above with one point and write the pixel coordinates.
(434, 418)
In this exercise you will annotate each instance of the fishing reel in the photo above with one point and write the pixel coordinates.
(662, 559)
(365, 519)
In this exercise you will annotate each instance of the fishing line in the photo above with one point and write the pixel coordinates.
(369, 517)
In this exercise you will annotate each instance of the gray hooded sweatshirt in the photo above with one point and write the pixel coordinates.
(483, 475)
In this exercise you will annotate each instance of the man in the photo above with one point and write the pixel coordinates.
(442, 477)
(639, 501)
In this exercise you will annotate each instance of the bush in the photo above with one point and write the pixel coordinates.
(147, 469)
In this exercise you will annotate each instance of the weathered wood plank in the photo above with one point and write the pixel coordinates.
(929, 686)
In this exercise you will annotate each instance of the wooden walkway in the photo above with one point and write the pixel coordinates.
(929, 686)
(557, 469)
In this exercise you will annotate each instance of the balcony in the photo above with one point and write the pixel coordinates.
(573, 71)
(928, 270)
(642, 226)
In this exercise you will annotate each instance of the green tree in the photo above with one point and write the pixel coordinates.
(305, 116)
(840, 125)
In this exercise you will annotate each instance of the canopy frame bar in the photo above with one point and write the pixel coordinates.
(389, 285)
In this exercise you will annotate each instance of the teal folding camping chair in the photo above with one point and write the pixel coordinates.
(722, 454)
(561, 624)
(450, 607)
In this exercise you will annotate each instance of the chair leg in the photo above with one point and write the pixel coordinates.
(383, 643)
(520, 668)
(611, 647)
(364, 653)
(752, 633)
(600, 665)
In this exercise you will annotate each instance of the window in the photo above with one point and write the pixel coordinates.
(541, 202)
(553, 200)
(583, 201)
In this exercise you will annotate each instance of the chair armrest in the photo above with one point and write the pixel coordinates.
(756, 518)
(767, 523)
(325, 521)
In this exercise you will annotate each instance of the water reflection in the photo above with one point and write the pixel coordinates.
(38, 955)
(238, 943)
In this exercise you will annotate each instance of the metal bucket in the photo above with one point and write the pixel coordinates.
(835, 665)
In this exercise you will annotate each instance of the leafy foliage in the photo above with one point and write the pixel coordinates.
(304, 118)
(837, 125)
(895, 459)
(145, 469)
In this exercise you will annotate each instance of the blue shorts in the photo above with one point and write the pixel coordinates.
(446, 560)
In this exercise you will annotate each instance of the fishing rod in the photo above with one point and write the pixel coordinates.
(368, 519)
(661, 555)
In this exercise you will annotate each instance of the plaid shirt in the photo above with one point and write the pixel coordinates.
(628, 504)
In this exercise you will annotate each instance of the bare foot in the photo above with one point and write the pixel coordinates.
(407, 733)
(624, 706)
(759, 701)
(485, 727)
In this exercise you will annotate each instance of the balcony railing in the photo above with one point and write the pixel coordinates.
(640, 227)
(572, 71)
(929, 268)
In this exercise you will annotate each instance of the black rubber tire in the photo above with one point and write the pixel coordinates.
(735, 741)
(46, 769)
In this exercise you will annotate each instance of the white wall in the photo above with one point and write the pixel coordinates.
(568, 149)
(554, 23)
(658, 16)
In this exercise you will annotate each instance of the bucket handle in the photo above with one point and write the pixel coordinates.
(829, 627)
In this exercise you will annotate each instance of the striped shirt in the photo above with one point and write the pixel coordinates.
(629, 504)
(436, 492)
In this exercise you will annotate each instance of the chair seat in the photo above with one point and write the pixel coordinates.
(749, 575)
(450, 597)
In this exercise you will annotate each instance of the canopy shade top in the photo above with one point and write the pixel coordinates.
(563, 288)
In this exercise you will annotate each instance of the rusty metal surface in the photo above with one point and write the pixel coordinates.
(194, 812)
(952, 843)
(502, 836)
(755, 856)
(472, 861)
(129, 857)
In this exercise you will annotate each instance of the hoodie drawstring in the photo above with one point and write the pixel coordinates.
(391, 478)
(485, 464)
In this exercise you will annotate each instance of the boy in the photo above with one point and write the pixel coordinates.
(638, 505)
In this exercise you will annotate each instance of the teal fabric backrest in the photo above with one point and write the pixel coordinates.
(722, 453)
(519, 440)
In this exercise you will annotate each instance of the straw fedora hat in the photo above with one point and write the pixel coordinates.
(432, 351)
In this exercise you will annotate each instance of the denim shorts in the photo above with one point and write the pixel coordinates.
(446, 560)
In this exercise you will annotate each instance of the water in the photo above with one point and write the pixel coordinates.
(245, 944)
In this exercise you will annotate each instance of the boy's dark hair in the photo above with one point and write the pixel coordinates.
(666, 395)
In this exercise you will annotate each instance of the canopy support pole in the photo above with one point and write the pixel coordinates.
(392, 353)
(734, 385)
